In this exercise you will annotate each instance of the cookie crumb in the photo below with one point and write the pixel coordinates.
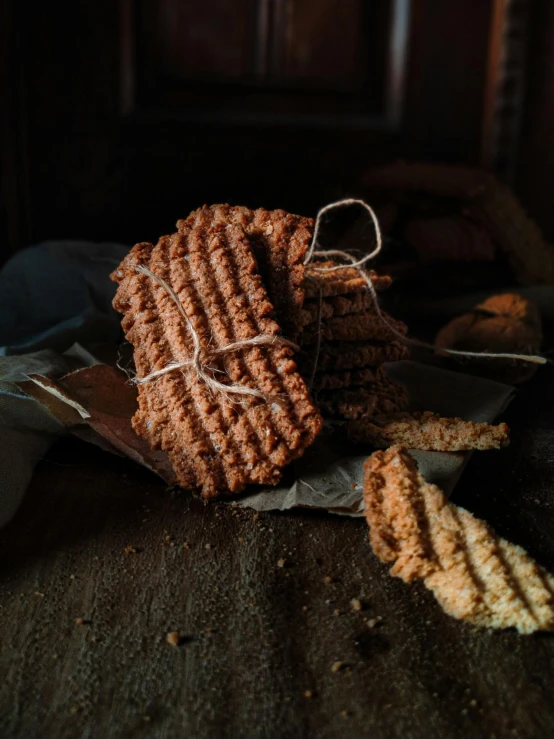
(80, 622)
(208, 546)
(130, 550)
(304, 608)
(281, 562)
(337, 666)
(308, 694)
(241, 539)
(173, 638)
(327, 579)
(356, 604)
(345, 713)
(336, 612)
(186, 545)
(40, 595)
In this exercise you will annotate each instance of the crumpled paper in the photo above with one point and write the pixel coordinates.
(97, 403)
(56, 386)
(58, 293)
(330, 474)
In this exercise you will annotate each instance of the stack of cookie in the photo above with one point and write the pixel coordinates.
(330, 314)
(464, 221)
(345, 344)
(205, 310)
(211, 311)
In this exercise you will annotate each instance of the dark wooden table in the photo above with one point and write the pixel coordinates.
(257, 637)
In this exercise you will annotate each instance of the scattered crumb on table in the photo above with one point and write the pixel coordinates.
(173, 638)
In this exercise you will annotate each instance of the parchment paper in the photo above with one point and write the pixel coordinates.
(330, 475)
(97, 403)
(54, 388)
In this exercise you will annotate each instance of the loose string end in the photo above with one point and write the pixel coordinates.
(358, 264)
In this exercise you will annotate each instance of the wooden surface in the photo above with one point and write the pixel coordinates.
(257, 636)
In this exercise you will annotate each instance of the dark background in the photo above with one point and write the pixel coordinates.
(120, 116)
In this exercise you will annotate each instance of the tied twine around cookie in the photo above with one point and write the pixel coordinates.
(358, 264)
(199, 362)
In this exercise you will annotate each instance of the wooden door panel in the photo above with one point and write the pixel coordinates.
(210, 41)
(136, 111)
(269, 59)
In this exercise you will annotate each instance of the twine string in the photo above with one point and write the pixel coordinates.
(199, 362)
(357, 264)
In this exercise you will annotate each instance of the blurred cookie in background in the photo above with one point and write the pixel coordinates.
(507, 323)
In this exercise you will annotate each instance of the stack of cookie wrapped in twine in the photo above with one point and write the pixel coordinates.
(345, 344)
(218, 312)
(215, 313)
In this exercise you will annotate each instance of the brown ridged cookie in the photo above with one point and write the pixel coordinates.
(473, 573)
(313, 312)
(341, 305)
(428, 431)
(507, 323)
(346, 355)
(364, 326)
(339, 282)
(486, 201)
(350, 378)
(216, 443)
(279, 241)
(375, 399)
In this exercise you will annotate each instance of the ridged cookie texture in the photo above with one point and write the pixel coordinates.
(373, 399)
(322, 278)
(364, 326)
(216, 442)
(279, 241)
(473, 573)
(430, 432)
(349, 378)
(341, 305)
(344, 355)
